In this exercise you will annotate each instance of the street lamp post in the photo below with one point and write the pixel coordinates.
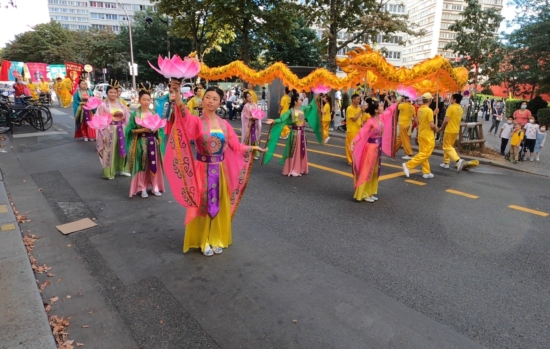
(133, 73)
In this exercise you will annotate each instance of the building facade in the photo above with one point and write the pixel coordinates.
(435, 17)
(85, 14)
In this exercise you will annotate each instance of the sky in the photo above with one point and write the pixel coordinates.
(31, 12)
(17, 20)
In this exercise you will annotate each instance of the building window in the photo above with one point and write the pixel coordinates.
(110, 5)
(111, 17)
(98, 15)
(393, 55)
(96, 4)
(99, 26)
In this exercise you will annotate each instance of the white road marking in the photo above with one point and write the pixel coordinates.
(57, 112)
(39, 134)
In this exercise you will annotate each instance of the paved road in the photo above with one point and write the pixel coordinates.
(441, 263)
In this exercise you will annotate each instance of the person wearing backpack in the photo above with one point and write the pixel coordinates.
(515, 141)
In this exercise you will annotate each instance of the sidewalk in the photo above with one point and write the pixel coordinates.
(23, 323)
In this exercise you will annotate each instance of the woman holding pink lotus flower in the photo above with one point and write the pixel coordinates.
(144, 136)
(251, 131)
(111, 144)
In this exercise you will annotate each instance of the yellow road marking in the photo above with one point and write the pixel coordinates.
(456, 192)
(414, 182)
(528, 210)
(7, 227)
(347, 174)
(3, 208)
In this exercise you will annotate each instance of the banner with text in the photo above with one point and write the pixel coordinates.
(37, 71)
(74, 71)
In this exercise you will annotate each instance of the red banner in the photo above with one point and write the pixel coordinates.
(37, 71)
(74, 71)
(5, 70)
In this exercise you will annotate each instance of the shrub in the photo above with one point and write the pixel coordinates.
(536, 103)
(487, 91)
(512, 105)
(543, 117)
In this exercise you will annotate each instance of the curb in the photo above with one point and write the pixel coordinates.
(25, 323)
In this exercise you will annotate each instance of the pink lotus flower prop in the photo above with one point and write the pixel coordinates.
(320, 89)
(100, 122)
(257, 113)
(92, 103)
(189, 94)
(152, 122)
(177, 68)
(407, 91)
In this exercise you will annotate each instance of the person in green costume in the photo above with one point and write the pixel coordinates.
(294, 158)
(144, 151)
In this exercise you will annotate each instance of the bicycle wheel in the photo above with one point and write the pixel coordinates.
(222, 113)
(41, 120)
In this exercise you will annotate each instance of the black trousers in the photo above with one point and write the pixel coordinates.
(503, 144)
(530, 144)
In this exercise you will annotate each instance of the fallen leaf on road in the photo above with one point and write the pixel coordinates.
(68, 296)
(47, 308)
(24, 181)
(54, 299)
(85, 326)
(79, 344)
(44, 285)
(161, 321)
(58, 280)
(295, 321)
(90, 313)
(69, 245)
(40, 189)
(50, 275)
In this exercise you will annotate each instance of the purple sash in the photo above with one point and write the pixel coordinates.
(212, 181)
(151, 151)
(379, 142)
(253, 132)
(303, 137)
(87, 116)
(120, 136)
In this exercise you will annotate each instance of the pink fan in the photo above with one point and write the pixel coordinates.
(407, 91)
(92, 103)
(189, 94)
(152, 122)
(100, 122)
(257, 113)
(320, 89)
(177, 68)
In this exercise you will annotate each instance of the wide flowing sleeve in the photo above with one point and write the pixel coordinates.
(76, 102)
(128, 130)
(389, 119)
(179, 161)
(312, 116)
(274, 134)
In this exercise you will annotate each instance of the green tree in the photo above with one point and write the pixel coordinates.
(200, 21)
(48, 42)
(150, 41)
(232, 52)
(528, 48)
(306, 50)
(8, 3)
(347, 22)
(477, 40)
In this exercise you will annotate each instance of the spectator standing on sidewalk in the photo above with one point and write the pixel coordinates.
(497, 117)
(531, 131)
(505, 133)
(541, 138)
(229, 104)
(522, 115)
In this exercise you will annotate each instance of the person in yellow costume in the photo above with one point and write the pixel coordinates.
(250, 90)
(195, 102)
(327, 110)
(355, 118)
(43, 87)
(451, 125)
(426, 139)
(283, 108)
(406, 114)
(33, 89)
(65, 88)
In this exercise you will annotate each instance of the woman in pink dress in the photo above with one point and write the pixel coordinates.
(366, 148)
(251, 130)
(294, 159)
(210, 183)
(522, 115)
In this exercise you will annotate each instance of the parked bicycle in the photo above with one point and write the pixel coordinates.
(38, 116)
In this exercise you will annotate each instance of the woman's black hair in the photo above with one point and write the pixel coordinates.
(329, 101)
(373, 107)
(81, 81)
(287, 90)
(109, 87)
(142, 93)
(245, 97)
(215, 89)
(293, 99)
(196, 89)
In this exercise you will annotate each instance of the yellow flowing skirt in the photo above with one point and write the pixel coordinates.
(65, 97)
(369, 188)
(216, 231)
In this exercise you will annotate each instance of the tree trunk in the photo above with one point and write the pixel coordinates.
(245, 54)
(333, 37)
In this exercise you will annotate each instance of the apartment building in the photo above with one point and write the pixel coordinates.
(84, 14)
(435, 17)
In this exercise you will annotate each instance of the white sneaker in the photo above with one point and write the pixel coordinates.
(256, 158)
(444, 165)
(144, 194)
(374, 198)
(537, 159)
(406, 157)
(208, 251)
(157, 193)
(217, 250)
(428, 175)
(125, 174)
(331, 129)
(406, 170)
(368, 199)
(459, 165)
(85, 139)
(327, 139)
(92, 139)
